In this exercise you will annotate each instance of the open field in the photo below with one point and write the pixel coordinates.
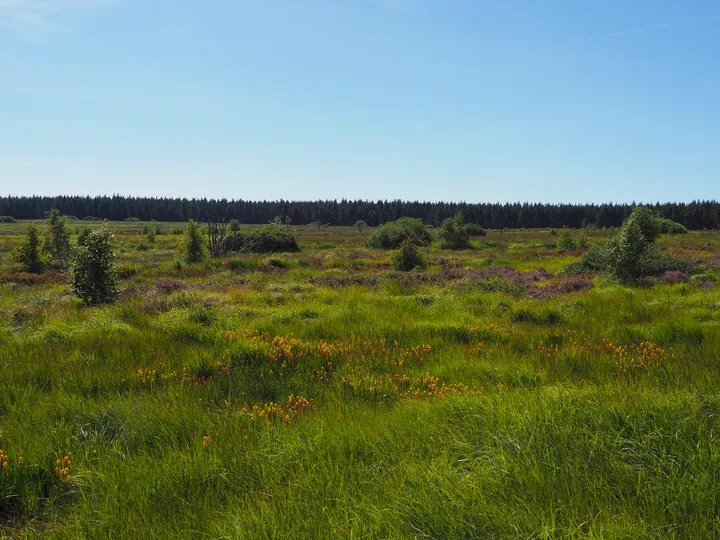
(320, 394)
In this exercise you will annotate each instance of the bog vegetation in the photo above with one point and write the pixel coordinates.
(214, 380)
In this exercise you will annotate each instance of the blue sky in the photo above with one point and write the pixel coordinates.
(553, 101)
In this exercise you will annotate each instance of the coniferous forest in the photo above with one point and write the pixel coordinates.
(693, 215)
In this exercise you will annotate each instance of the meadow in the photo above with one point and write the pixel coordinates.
(321, 394)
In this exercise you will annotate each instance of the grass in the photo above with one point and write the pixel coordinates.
(324, 395)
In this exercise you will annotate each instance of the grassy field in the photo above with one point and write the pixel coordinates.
(320, 394)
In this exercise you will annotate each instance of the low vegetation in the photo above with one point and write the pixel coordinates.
(487, 393)
(393, 234)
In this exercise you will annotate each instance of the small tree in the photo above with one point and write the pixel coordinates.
(566, 240)
(191, 248)
(360, 225)
(94, 278)
(408, 257)
(30, 254)
(57, 240)
(625, 251)
(234, 225)
(453, 234)
(83, 234)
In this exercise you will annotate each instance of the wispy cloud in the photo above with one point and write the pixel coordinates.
(630, 31)
(35, 19)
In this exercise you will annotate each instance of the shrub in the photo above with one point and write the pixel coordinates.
(191, 248)
(234, 225)
(132, 218)
(360, 225)
(94, 278)
(594, 261)
(566, 240)
(632, 253)
(83, 234)
(453, 234)
(625, 250)
(150, 235)
(473, 229)
(30, 254)
(647, 222)
(581, 242)
(57, 239)
(668, 226)
(7, 219)
(408, 257)
(91, 218)
(394, 233)
(271, 238)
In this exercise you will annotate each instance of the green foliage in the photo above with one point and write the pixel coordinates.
(7, 219)
(132, 218)
(453, 234)
(668, 226)
(566, 240)
(150, 235)
(394, 233)
(191, 248)
(594, 261)
(581, 242)
(271, 238)
(83, 234)
(94, 278)
(632, 253)
(408, 257)
(57, 238)
(30, 254)
(234, 225)
(91, 218)
(646, 221)
(473, 229)
(360, 225)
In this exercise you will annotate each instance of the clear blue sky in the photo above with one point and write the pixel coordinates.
(471, 100)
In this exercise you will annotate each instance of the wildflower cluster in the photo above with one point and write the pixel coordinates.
(287, 410)
(151, 377)
(63, 466)
(378, 386)
(637, 358)
(3, 461)
(206, 440)
(627, 358)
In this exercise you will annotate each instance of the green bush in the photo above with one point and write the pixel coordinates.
(132, 218)
(30, 254)
(57, 239)
(91, 218)
(83, 234)
(271, 238)
(234, 225)
(94, 278)
(668, 226)
(394, 233)
(7, 219)
(632, 254)
(191, 248)
(408, 257)
(473, 229)
(566, 240)
(360, 225)
(594, 261)
(453, 234)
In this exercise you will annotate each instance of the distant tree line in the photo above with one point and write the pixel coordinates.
(694, 215)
